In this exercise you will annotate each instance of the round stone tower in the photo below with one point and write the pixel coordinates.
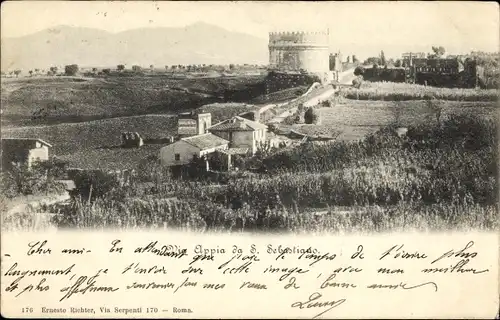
(296, 51)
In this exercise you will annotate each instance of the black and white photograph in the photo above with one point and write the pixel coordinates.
(202, 127)
(255, 118)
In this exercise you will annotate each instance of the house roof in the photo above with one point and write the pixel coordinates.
(29, 139)
(237, 123)
(205, 141)
(236, 151)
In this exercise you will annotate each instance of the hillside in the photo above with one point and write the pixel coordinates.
(95, 144)
(199, 43)
(35, 101)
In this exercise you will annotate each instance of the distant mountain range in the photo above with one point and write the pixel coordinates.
(199, 43)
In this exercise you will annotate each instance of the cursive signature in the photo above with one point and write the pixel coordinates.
(83, 285)
(313, 302)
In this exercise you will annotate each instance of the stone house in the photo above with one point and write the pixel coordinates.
(241, 133)
(191, 124)
(186, 149)
(23, 151)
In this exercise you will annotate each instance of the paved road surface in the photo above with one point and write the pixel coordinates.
(345, 78)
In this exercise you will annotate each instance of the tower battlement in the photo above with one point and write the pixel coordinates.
(299, 51)
(299, 37)
(292, 33)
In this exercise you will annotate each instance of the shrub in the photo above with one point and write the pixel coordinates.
(357, 82)
(312, 116)
(71, 70)
(37, 180)
(359, 71)
(95, 184)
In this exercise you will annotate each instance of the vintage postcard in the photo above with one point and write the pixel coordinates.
(259, 160)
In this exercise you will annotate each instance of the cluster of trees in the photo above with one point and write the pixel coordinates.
(192, 67)
(381, 60)
(73, 69)
(40, 179)
(437, 52)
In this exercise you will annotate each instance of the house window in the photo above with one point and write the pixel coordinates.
(177, 157)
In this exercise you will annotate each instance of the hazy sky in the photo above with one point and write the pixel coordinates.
(355, 27)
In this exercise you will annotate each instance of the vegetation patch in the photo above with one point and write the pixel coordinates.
(392, 91)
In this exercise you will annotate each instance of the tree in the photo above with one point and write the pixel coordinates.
(373, 60)
(94, 70)
(37, 71)
(120, 67)
(151, 66)
(71, 70)
(398, 63)
(53, 70)
(31, 73)
(359, 71)
(348, 59)
(231, 66)
(382, 58)
(434, 108)
(136, 68)
(438, 51)
(357, 82)
(38, 179)
(106, 71)
(166, 68)
(311, 116)
(17, 72)
(354, 59)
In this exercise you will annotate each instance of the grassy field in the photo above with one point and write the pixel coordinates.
(281, 96)
(404, 91)
(356, 118)
(94, 143)
(35, 101)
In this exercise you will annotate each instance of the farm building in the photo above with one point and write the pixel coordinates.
(186, 149)
(241, 133)
(23, 151)
(131, 140)
(190, 124)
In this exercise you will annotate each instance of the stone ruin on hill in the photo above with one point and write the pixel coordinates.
(131, 140)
